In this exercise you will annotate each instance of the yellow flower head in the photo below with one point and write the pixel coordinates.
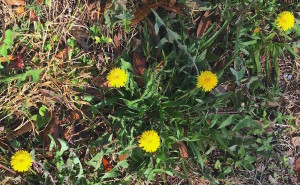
(207, 81)
(285, 20)
(149, 141)
(117, 77)
(256, 30)
(21, 161)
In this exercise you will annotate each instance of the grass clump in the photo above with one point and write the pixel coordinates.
(163, 92)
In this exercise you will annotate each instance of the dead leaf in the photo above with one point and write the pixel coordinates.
(101, 81)
(107, 166)
(4, 144)
(159, 66)
(143, 12)
(175, 8)
(123, 157)
(10, 57)
(55, 97)
(272, 180)
(19, 64)
(15, 2)
(268, 129)
(136, 43)
(63, 54)
(19, 10)
(154, 37)
(81, 37)
(182, 149)
(139, 67)
(223, 88)
(22, 129)
(203, 24)
(172, 3)
(52, 129)
(296, 141)
(297, 169)
(117, 39)
(276, 103)
(32, 16)
(139, 64)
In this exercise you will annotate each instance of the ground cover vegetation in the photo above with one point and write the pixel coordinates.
(149, 92)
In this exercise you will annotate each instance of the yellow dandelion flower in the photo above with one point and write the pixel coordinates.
(117, 77)
(256, 30)
(149, 141)
(285, 20)
(207, 81)
(21, 161)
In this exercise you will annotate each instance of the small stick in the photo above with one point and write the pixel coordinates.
(7, 169)
(3, 28)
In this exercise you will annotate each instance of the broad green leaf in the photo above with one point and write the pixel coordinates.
(227, 122)
(252, 42)
(220, 140)
(197, 153)
(297, 29)
(255, 56)
(218, 165)
(52, 143)
(42, 110)
(106, 40)
(3, 52)
(110, 174)
(80, 173)
(22, 77)
(95, 162)
(35, 74)
(238, 74)
(88, 98)
(8, 38)
(126, 65)
(210, 41)
(172, 35)
(64, 146)
(275, 60)
(158, 171)
(172, 104)
(246, 123)
(106, 102)
(97, 39)
(290, 49)
(159, 22)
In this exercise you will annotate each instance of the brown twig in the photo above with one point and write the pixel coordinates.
(3, 28)
(7, 169)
